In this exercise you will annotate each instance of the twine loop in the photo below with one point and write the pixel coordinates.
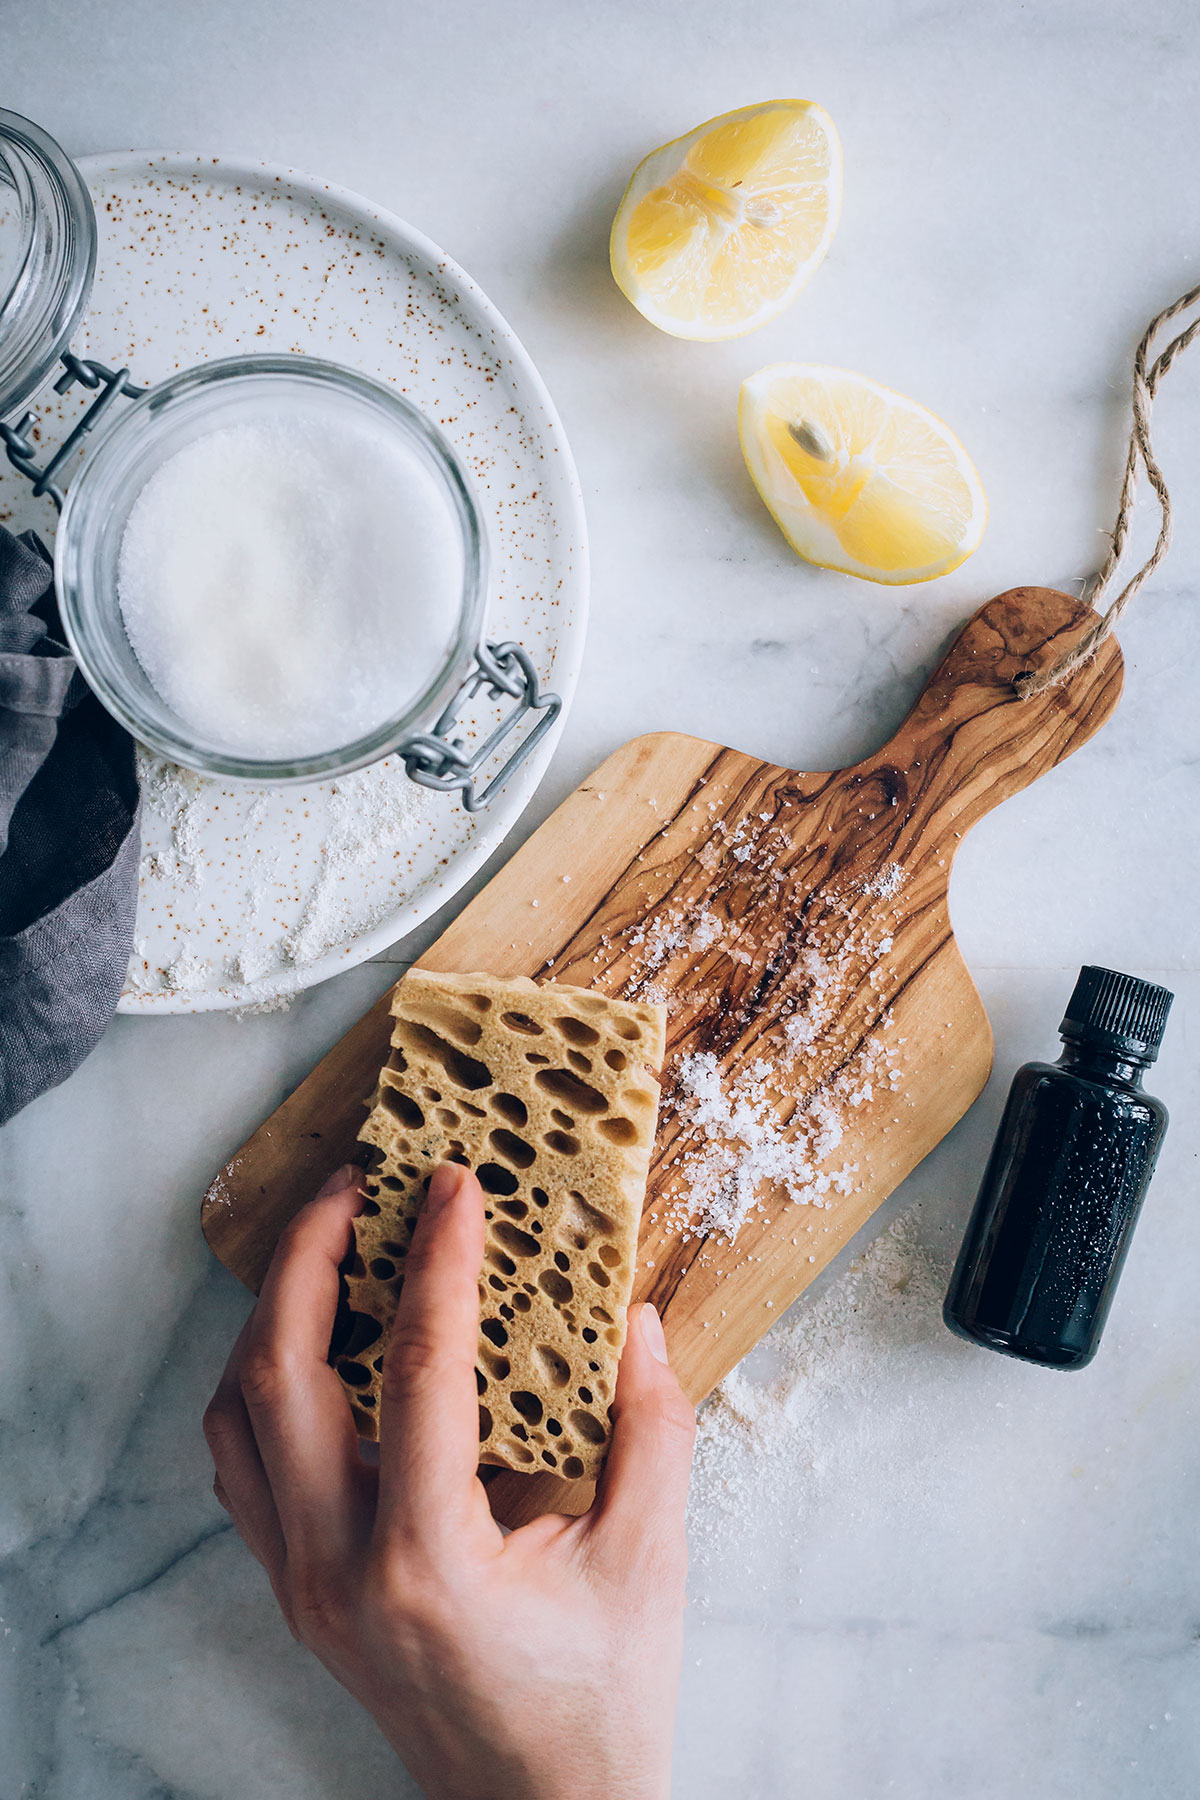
(1146, 378)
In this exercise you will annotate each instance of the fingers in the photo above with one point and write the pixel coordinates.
(642, 1497)
(241, 1483)
(429, 1409)
(294, 1401)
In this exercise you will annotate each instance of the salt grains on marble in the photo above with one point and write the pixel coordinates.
(290, 584)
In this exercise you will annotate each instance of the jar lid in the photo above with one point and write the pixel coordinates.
(47, 257)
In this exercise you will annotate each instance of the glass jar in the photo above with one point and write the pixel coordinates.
(134, 443)
(47, 258)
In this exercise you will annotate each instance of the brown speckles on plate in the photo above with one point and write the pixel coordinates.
(200, 257)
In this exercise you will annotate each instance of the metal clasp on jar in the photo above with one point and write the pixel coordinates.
(18, 439)
(437, 760)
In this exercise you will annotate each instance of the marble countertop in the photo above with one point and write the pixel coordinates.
(919, 1570)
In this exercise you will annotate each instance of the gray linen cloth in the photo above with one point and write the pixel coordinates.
(69, 838)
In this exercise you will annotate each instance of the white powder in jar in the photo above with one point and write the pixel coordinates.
(288, 585)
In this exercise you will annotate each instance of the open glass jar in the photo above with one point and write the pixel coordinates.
(47, 255)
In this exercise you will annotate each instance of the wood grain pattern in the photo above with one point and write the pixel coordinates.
(746, 895)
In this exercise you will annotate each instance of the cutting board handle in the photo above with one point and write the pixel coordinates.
(970, 741)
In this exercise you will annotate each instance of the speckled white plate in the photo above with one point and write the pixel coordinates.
(248, 894)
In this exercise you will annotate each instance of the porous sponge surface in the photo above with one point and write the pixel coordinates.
(550, 1094)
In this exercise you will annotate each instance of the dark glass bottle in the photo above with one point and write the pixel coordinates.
(1065, 1182)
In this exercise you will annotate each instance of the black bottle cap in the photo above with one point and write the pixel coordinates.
(1117, 1011)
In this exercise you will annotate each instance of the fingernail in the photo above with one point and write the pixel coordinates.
(444, 1183)
(653, 1333)
(349, 1175)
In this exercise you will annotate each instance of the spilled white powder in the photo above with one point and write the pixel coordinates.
(176, 796)
(826, 1394)
(888, 882)
(188, 972)
(742, 1143)
(256, 1009)
(771, 1127)
(661, 937)
(291, 584)
(371, 819)
(805, 1026)
(282, 915)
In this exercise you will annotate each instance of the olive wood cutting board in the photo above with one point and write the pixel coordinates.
(797, 927)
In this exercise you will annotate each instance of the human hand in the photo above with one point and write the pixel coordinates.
(541, 1665)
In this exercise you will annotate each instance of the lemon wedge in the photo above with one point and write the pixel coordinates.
(856, 476)
(719, 230)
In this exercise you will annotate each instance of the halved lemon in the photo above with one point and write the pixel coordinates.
(856, 476)
(719, 230)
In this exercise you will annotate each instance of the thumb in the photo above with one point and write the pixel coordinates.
(642, 1497)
